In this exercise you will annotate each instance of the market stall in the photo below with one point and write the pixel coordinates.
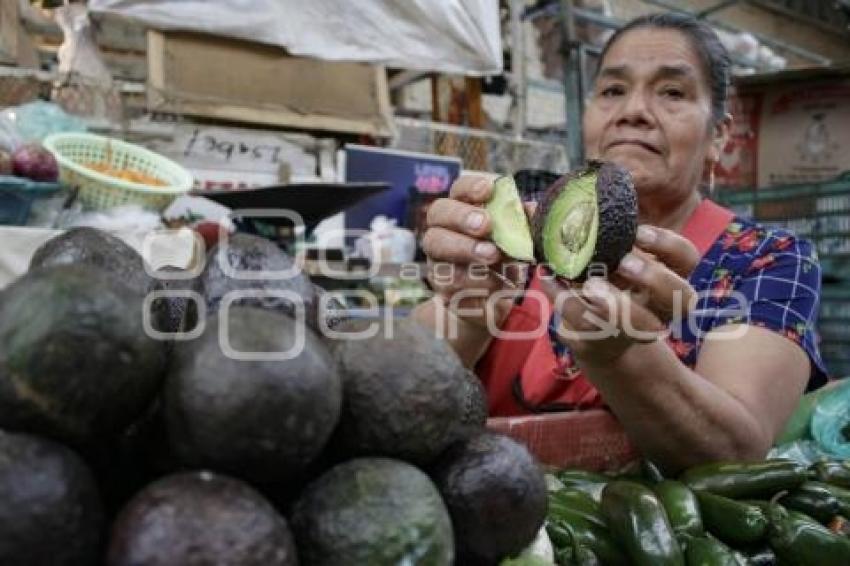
(212, 270)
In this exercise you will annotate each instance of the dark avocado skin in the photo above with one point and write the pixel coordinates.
(496, 495)
(50, 511)
(174, 308)
(95, 248)
(99, 249)
(200, 519)
(617, 207)
(404, 397)
(75, 361)
(140, 455)
(374, 511)
(477, 409)
(260, 420)
(245, 252)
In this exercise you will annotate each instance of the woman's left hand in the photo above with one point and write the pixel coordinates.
(603, 318)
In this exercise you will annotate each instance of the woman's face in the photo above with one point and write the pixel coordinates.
(650, 113)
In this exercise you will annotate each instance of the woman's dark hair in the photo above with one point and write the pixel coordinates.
(715, 59)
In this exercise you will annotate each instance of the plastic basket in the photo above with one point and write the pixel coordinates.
(98, 191)
(18, 197)
(819, 212)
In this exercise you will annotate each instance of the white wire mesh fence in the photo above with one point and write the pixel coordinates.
(479, 149)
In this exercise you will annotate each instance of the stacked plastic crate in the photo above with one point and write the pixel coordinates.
(819, 212)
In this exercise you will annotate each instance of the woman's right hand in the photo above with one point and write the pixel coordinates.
(465, 267)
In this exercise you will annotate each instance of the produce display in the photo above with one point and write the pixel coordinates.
(775, 512)
(118, 447)
(586, 218)
(34, 162)
(122, 448)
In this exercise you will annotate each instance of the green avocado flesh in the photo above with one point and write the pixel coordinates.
(510, 228)
(571, 227)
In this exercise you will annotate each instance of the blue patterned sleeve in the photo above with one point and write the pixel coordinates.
(781, 286)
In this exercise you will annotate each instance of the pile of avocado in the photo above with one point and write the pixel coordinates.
(733, 514)
(121, 447)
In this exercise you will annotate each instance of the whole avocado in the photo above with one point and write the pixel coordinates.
(76, 362)
(496, 495)
(50, 510)
(200, 519)
(406, 394)
(231, 267)
(98, 249)
(261, 419)
(372, 511)
(586, 220)
(94, 248)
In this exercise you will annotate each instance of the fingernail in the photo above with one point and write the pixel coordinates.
(631, 264)
(646, 235)
(596, 287)
(482, 187)
(475, 220)
(485, 250)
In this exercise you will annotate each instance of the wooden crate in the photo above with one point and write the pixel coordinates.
(264, 85)
(588, 440)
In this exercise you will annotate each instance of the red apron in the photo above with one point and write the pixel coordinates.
(525, 376)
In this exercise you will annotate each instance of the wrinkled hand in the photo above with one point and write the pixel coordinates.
(603, 318)
(465, 268)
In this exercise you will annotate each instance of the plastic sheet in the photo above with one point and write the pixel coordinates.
(79, 53)
(830, 426)
(448, 36)
(805, 452)
(34, 121)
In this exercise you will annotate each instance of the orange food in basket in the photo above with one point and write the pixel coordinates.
(126, 174)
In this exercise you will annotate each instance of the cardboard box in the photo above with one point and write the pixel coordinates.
(738, 166)
(19, 86)
(805, 133)
(587, 440)
(264, 85)
(789, 127)
(227, 157)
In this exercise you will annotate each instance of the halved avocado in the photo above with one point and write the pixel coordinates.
(587, 218)
(510, 228)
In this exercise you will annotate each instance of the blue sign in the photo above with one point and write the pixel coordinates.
(403, 170)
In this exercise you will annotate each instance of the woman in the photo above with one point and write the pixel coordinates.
(724, 385)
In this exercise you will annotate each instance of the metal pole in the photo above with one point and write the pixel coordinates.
(572, 85)
(716, 8)
(774, 43)
(518, 71)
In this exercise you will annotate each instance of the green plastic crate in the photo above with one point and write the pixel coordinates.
(834, 328)
(819, 212)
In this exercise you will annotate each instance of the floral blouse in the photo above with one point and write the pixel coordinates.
(750, 275)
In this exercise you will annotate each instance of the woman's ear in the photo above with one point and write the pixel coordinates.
(720, 135)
